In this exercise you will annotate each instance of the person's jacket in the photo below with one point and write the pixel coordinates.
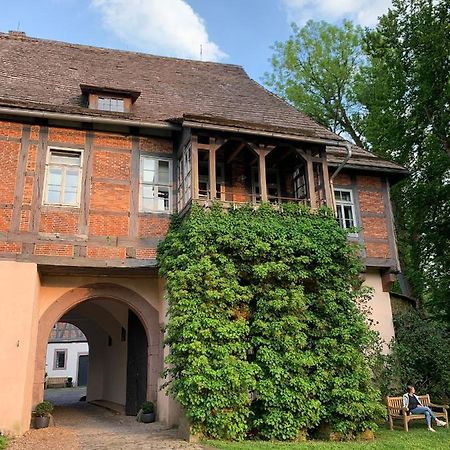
(406, 400)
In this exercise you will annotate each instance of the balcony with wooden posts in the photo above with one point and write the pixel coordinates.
(236, 171)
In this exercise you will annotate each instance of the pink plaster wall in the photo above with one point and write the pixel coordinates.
(380, 305)
(19, 285)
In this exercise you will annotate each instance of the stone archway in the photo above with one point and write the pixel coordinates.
(147, 314)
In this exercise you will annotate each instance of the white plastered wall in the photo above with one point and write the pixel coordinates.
(73, 350)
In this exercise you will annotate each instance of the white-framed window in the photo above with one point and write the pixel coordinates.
(345, 208)
(60, 359)
(155, 184)
(63, 177)
(111, 104)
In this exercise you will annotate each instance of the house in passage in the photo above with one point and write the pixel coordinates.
(67, 356)
(97, 148)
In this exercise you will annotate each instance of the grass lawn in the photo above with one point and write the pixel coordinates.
(417, 438)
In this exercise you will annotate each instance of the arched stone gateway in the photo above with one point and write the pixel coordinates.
(93, 301)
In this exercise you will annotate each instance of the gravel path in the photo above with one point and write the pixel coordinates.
(88, 427)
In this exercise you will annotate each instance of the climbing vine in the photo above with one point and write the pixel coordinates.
(265, 336)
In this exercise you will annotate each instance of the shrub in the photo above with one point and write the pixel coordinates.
(148, 407)
(264, 329)
(419, 356)
(43, 409)
(3, 442)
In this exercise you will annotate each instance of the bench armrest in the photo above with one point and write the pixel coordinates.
(434, 405)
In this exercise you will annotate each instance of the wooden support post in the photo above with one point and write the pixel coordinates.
(194, 168)
(326, 183)
(212, 171)
(310, 176)
(262, 174)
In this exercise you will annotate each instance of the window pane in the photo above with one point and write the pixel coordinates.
(111, 104)
(117, 105)
(70, 158)
(163, 199)
(148, 198)
(348, 214)
(54, 182)
(55, 176)
(163, 172)
(340, 216)
(104, 103)
(344, 196)
(60, 360)
(72, 179)
(148, 192)
(148, 170)
(53, 196)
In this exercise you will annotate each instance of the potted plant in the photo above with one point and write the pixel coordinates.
(42, 414)
(148, 412)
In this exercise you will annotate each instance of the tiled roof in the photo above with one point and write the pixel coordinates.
(46, 75)
(66, 332)
(363, 159)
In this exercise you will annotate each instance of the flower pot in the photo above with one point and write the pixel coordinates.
(148, 417)
(41, 421)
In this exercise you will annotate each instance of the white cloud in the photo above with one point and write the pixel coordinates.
(363, 12)
(168, 27)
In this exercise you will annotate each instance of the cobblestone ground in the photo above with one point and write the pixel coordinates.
(83, 426)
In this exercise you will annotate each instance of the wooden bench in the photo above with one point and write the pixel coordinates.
(397, 411)
(56, 382)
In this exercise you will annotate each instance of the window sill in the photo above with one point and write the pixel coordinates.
(52, 206)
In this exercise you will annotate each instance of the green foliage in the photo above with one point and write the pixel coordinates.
(419, 356)
(3, 442)
(43, 409)
(407, 97)
(148, 407)
(264, 331)
(318, 69)
(388, 88)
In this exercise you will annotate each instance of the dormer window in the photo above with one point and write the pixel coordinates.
(109, 99)
(111, 104)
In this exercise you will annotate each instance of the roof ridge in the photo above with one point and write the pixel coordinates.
(25, 37)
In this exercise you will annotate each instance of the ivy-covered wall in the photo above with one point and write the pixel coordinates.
(264, 331)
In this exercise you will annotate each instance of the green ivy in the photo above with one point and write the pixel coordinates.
(264, 330)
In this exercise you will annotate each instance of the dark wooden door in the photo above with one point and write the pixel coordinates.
(83, 367)
(136, 365)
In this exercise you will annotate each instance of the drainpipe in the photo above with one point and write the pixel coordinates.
(348, 147)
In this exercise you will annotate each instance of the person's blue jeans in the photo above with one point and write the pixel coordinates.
(424, 410)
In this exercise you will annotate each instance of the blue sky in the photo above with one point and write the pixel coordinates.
(230, 31)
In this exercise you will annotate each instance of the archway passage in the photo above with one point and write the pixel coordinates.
(124, 344)
(67, 364)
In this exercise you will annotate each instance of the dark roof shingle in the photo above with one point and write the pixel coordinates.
(46, 75)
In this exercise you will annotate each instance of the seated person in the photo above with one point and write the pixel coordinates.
(414, 406)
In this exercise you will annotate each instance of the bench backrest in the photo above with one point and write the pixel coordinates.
(397, 402)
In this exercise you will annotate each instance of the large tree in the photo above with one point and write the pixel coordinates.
(389, 89)
(408, 100)
(318, 70)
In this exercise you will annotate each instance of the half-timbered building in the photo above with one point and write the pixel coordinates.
(97, 148)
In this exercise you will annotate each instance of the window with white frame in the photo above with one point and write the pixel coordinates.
(345, 208)
(111, 104)
(156, 184)
(63, 177)
(60, 359)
